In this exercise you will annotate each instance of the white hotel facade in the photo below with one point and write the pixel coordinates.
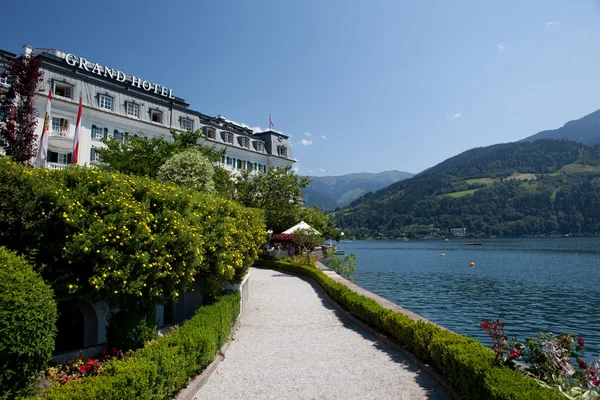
(116, 104)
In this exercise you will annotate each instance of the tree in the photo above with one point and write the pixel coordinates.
(189, 168)
(320, 221)
(138, 155)
(307, 239)
(346, 268)
(277, 192)
(17, 113)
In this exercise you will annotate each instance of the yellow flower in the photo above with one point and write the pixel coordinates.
(86, 249)
(70, 286)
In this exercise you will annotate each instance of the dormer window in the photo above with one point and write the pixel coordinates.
(228, 137)
(282, 151)
(187, 124)
(156, 116)
(259, 146)
(62, 89)
(244, 141)
(105, 102)
(210, 133)
(133, 110)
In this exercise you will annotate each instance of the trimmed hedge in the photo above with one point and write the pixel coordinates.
(27, 325)
(465, 363)
(160, 369)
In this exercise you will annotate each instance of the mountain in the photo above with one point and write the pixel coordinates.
(512, 189)
(330, 192)
(585, 130)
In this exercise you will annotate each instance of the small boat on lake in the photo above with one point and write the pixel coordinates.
(474, 244)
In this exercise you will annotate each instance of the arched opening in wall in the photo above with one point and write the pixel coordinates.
(70, 326)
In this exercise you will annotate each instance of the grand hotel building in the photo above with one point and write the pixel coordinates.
(116, 104)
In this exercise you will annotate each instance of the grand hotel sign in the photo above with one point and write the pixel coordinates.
(117, 75)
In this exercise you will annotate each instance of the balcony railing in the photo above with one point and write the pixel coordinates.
(63, 132)
(53, 165)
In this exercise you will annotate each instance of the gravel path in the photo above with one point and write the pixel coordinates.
(291, 344)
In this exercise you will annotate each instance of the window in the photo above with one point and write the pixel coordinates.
(59, 158)
(62, 158)
(265, 169)
(3, 79)
(228, 137)
(119, 135)
(187, 124)
(133, 110)
(222, 159)
(105, 102)
(94, 156)
(259, 146)
(98, 133)
(282, 151)
(239, 164)
(229, 161)
(62, 89)
(60, 126)
(210, 133)
(244, 141)
(156, 116)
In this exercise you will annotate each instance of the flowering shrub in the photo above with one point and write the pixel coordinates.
(554, 361)
(79, 366)
(131, 241)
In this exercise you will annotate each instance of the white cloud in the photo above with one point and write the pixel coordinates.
(310, 171)
(323, 137)
(307, 134)
(500, 47)
(584, 33)
(550, 23)
(306, 142)
(321, 169)
(456, 116)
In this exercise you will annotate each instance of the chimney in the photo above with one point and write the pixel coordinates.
(27, 50)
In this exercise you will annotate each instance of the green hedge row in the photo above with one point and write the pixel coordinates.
(160, 369)
(464, 362)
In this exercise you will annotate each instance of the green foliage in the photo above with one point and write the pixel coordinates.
(307, 239)
(189, 168)
(478, 190)
(142, 156)
(467, 364)
(318, 220)
(128, 240)
(224, 185)
(277, 193)
(164, 366)
(345, 268)
(27, 325)
(131, 329)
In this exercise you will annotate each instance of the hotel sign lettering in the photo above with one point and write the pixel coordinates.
(117, 75)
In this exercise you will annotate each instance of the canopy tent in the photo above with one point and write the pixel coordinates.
(302, 225)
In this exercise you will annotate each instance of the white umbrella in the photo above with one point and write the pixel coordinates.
(302, 225)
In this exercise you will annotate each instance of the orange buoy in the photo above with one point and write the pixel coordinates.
(472, 264)
(442, 255)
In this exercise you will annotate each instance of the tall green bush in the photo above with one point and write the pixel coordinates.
(189, 168)
(131, 241)
(27, 325)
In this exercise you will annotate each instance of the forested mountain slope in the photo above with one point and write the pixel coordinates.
(512, 189)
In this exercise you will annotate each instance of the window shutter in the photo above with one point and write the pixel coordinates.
(222, 159)
(116, 135)
(48, 155)
(93, 131)
(92, 151)
(69, 158)
(125, 136)
(105, 133)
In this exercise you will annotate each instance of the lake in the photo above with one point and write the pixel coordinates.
(531, 284)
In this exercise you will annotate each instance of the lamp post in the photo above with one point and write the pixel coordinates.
(270, 232)
(342, 234)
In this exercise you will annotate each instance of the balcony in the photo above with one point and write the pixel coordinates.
(62, 132)
(53, 165)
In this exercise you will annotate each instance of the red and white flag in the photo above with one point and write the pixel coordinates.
(75, 157)
(271, 124)
(42, 154)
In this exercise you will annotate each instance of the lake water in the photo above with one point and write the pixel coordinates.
(531, 284)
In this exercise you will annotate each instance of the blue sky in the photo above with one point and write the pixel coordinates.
(359, 86)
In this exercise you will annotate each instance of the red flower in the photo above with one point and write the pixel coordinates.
(582, 364)
(513, 354)
(596, 382)
(484, 324)
(92, 362)
(580, 341)
(104, 352)
(114, 350)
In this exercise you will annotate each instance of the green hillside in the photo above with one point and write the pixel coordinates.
(330, 192)
(508, 189)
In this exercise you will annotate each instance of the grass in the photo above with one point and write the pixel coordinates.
(520, 177)
(529, 186)
(461, 193)
(579, 168)
(485, 181)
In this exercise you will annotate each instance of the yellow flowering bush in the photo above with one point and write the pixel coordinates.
(131, 241)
